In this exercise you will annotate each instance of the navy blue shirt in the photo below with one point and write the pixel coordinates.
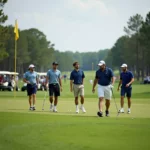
(77, 76)
(126, 77)
(104, 77)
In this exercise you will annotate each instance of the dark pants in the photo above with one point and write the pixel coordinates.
(54, 90)
(31, 89)
(126, 91)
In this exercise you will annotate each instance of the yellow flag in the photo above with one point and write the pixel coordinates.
(16, 31)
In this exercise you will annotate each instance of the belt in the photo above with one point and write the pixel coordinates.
(77, 84)
(53, 83)
(104, 85)
(31, 84)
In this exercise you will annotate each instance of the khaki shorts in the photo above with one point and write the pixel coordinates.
(78, 89)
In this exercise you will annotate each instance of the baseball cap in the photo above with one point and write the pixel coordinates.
(124, 65)
(101, 63)
(31, 66)
(55, 63)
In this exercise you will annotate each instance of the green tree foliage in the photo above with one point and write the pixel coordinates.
(40, 50)
(34, 48)
(134, 48)
(145, 44)
(3, 31)
(133, 27)
(3, 17)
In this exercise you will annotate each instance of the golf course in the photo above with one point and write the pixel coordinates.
(21, 129)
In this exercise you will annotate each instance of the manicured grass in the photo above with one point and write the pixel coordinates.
(54, 132)
(44, 130)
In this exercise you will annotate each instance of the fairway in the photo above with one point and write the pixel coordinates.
(45, 130)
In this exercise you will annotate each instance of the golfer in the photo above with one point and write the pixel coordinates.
(55, 85)
(77, 85)
(105, 79)
(31, 78)
(126, 80)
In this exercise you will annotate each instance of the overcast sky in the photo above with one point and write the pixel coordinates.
(77, 25)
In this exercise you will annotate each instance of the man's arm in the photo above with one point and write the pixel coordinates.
(83, 76)
(60, 84)
(46, 82)
(25, 80)
(94, 84)
(112, 80)
(132, 80)
(82, 80)
(120, 82)
(37, 80)
(71, 85)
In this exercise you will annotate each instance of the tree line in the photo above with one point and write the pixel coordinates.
(132, 48)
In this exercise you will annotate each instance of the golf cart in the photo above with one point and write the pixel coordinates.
(42, 80)
(41, 86)
(7, 81)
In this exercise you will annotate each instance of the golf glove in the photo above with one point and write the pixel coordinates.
(111, 86)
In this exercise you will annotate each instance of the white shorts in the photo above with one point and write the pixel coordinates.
(104, 91)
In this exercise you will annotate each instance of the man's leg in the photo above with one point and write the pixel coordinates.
(129, 102)
(129, 99)
(82, 102)
(30, 100)
(56, 93)
(29, 93)
(123, 91)
(122, 104)
(100, 104)
(51, 100)
(107, 103)
(81, 91)
(107, 96)
(34, 100)
(51, 103)
(122, 101)
(100, 101)
(77, 103)
(76, 93)
(55, 103)
(129, 105)
(82, 99)
(51, 97)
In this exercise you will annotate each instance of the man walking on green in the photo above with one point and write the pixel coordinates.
(55, 85)
(77, 85)
(126, 80)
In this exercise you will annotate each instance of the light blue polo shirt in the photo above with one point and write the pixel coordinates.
(53, 76)
(31, 76)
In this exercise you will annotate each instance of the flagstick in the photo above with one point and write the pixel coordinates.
(16, 38)
(15, 67)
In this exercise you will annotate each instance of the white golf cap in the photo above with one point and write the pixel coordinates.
(101, 63)
(124, 65)
(31, 66)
